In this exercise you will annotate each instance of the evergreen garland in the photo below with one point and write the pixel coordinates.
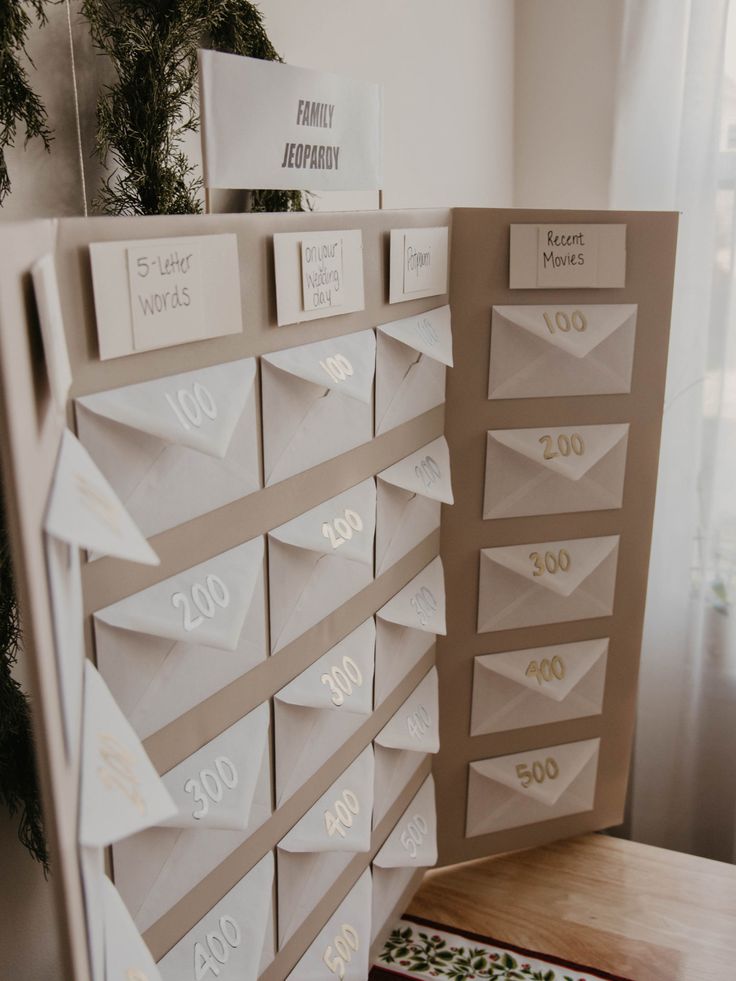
(18, 780)
(19, 104)
(143, 116)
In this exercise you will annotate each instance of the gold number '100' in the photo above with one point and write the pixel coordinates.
(538, 772)
(563, 323)
(546, 669)
(549, 562)
(565, 444)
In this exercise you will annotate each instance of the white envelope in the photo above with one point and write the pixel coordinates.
(231, 941)
(322, 707)
(389, 886)
(322, 844)
(538, 686)
(157, 868)
(554, 471)
(317, 402)
(177, 447)
(348, 931)
(65, 593)
(546, 582)
(126, 956)
(532, 357)
(398, 649)
(409, 502)
(413, 842)
(421, 603)
(410, 366)
(120, 791)
(320, 560)
(526, 788)
(85, 511)
(162, 654)
(394, 769)
(415, 725)
(92, 872)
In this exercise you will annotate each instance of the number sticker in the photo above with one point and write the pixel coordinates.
(539, 771)
(341, 529)
(337, 367)
(563, 323)
(414, 834)
(340, 680)
(565, 445)
(209, 787)
(205, 597)
(428, 471)
(546, 669)
(549, 562)
(419, 722)
(424, 605)
(345, 808)
(345, 943)
(219, 943)
(135, 974)
(118, 769)
(191, 408)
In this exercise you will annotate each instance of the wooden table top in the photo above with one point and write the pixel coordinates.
(626, 908)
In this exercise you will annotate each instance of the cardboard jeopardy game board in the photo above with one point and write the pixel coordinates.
(331, 537)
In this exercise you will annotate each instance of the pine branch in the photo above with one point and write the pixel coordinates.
(19, 791)
(19, 104)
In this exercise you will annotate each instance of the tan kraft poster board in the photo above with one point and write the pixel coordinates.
(478, 281)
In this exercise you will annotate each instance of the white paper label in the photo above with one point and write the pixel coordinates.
(567, 256)
(166, 296)
(419, 264)
(322, 272)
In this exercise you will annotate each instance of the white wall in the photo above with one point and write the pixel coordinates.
(566, 57)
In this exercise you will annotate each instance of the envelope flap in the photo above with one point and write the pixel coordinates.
(126, 955)
(543, 774)
(215, 786)
(121, 792)
(558, 566)
(85, 511)
(421, 603)
(342, 679)
(415, 724)
(199, 409)
(569, 452)
(344, 525)
(207, 604)
(576, 330)
(551, 672)
(344, 364)
(425, 472)
(413, 842)
(341, 819)
(429, 333)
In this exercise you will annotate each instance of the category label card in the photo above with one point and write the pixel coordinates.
(161, 292)
(559, 256)
(319, 274)
(419, 265)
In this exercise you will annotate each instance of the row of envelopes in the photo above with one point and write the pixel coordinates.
(177, 447)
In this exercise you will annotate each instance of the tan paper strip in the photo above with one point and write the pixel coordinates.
(167, 931)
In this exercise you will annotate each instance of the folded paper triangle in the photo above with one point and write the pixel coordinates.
(413, 842)
(580, 558)
(600, 321)
(425, 472)
(345, 364)
(570, 452)
(552, 672)
(421, 603)
(415, 724)
(198, 409)
(429, 333)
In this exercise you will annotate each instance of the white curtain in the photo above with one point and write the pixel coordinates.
(675, 116)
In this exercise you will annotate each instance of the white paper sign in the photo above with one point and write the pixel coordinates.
(166, 300)
(322, 271)
(570, 255)
(46, 291)
(419, 264)
(269, 125)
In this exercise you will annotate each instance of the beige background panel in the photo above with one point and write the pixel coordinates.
(480, 279)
